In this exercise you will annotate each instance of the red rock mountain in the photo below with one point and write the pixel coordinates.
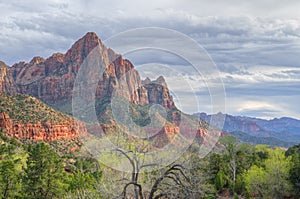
(52, 79)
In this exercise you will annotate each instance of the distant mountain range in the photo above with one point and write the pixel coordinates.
(284, 131)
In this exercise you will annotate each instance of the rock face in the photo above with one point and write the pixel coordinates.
(7, 83)
(52, 79)
(157, 93)
(41, 131)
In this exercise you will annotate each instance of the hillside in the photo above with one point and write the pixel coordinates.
(23, 116)
(27, 109)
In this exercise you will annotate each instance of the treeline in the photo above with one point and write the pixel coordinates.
(37, 171)
(233, 169)
(255, 171)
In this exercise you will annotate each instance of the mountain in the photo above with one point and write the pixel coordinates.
(284, 124)
(285, 129)
(52, 81)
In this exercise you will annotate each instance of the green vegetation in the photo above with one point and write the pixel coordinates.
(233, 169)
(272, 179)
(254, 171)
(27, 109)
(44, 176)
(10, 171)
(37, 171)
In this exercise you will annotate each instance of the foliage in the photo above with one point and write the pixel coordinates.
(220, 180)
(10, 171)
(85, 178)
(44, 175)
(270, 180)
(255, 181)
(37, 171)
(293, 150)
(294, 176)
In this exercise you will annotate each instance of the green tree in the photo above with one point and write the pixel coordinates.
(295, 173)
(277, 173)
(230, 157)
(215, 165)
(10, 172)
(294, 152)
(85, 178)
(261, 154)
(255, 181)
(220, 180)
(272, 179)
(44, 176)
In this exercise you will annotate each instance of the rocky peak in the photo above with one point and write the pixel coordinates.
(111, 54)
(58, 57)
(81, 48)
(91, 36)
(2, 74)
(19, 65)
(160, 80)
(36, 60)
(52, 81)
(54, 62)
(3, 69)
(146, 81)
(158, 92)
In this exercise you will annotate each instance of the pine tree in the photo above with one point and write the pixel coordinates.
(44, 175)
(10, 172)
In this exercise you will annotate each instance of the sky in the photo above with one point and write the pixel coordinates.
(255, 45)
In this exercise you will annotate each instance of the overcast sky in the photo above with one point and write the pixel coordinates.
(254, 44)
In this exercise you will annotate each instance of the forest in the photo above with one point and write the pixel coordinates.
(232, 169)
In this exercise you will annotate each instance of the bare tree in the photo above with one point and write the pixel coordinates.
(164, 186)
(137, 165)
(174, 174)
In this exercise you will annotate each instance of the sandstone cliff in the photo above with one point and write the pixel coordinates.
(41, 131)
(25, 117)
